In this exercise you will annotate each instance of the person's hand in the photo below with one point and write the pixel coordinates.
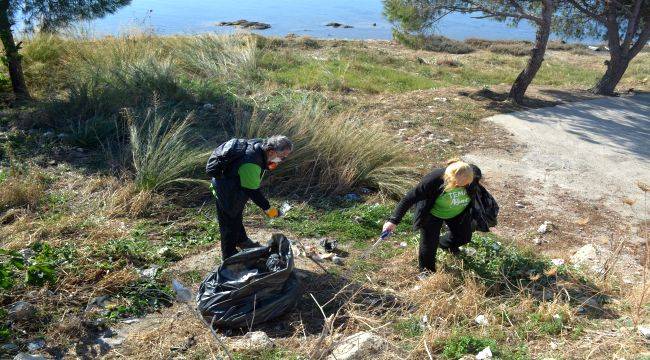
(388, 226)
(272, 212)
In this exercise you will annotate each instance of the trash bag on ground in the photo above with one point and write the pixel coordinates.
(251, 287)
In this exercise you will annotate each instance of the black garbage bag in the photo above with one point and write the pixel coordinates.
(251, 287)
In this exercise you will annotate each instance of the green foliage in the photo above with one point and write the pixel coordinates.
(409, 328)
(538, 323)
(496, 263)
(356, 223)
(5, 331)
(432, 43)
(140, 298)
(37, 270)
(164, 150)
(459, 345)
(135, 249)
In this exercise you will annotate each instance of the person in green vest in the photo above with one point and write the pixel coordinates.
(442, 196)
(240, 165)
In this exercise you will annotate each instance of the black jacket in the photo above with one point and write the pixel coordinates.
(424, 195)
(230, 195)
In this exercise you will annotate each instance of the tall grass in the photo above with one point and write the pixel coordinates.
(164, 150)
(333, 154)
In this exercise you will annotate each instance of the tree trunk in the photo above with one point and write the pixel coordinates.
(13, 58)
(537, 57)
(616, 67)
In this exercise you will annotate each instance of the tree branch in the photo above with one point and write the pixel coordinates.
(633, 24)
(589, 12)
(641, 41)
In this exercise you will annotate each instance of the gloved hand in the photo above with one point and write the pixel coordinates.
(272, 212)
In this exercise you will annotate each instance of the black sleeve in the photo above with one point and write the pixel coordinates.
(258, 198)
(422, 191)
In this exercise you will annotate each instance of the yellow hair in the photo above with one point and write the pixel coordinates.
(458, 174)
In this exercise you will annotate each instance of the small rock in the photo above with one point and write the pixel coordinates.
(21, 311)
(338, 25)
(484, 354)
(26, 356)
(35, 345)
(447, 141)
(645, 330)
(337, 260)
(359, 346)
(253, 341)
(481, 320)
(545, 227)
(537, 241)
(8, 348)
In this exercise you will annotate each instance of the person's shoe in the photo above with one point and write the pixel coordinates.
(247, 244)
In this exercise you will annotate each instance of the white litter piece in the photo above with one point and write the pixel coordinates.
(183, 294)
(557, 262)
(481, 320)
(484, 354)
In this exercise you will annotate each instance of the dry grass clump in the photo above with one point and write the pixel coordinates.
(22, 191)
(128, 201)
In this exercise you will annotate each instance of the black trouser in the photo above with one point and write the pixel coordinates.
(460, 228)
(231, 228)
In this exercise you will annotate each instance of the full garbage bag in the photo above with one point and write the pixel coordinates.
(250, 287)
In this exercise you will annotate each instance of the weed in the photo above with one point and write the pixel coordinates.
(432, 43)
(409, 328)
(140, 298)
(459, 345)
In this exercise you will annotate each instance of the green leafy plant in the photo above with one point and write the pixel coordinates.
(10, 261)
(141, 298)
(458, 346)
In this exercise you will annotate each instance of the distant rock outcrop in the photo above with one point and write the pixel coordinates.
(339, 25)
(245, 24)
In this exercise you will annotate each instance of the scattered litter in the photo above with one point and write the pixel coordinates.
(416, 288)
(441, 99)
(26, 356)
(537, 241)
(469, 251)
(365, 190)
(645, 330)
(484, 354)
(403, 244)
(447, 141)
(352, 197)
(130, 321)
(208, 107)
(358, 219)
(149, 273)
(557, 262)
(183, 294)
(284, 209)
(545, 227)
(164, 251)
(35, 345)
(326, 256)
(328, 244)
(553, 345)
(557, 317)
(481, 320)
(337, 260)
(519, 205)
(496, 246)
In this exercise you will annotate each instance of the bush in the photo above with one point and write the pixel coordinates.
(333, 154)
(164, 150)
(432, 43)
(458, 346)
(508, 47)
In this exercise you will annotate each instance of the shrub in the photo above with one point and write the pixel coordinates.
(334, 154)
(432, 43)
(458, 346)
(508, 47)
(164, 149)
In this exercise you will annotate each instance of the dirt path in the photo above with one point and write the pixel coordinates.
(579, 165)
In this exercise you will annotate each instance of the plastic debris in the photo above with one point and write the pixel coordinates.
(484, 354)
(183, 294)
(557, 262)
(481, 320)
(337, 260)
(328, 244)
(469, 251)
(645, 331)
(545, 227)
(284, 209)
